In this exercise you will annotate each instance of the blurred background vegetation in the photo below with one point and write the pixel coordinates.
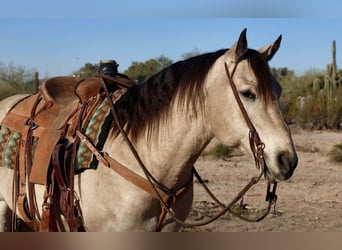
(312, 100)
(16, 80)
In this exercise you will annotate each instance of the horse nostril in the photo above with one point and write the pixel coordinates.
(284, 162)
(287, 163)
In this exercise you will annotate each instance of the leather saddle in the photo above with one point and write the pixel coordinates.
(47, 113)
(44, 122)
(39, 142)
(61, 90)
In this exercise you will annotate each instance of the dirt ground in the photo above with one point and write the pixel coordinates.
(311, 201)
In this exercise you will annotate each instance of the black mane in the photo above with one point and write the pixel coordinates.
(146, 105)
(143, 105)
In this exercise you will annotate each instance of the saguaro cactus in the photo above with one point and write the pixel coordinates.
(316, 86)
(326, 109)
(334, 66)
(331, 81)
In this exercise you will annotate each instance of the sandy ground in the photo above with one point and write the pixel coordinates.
(311, 201)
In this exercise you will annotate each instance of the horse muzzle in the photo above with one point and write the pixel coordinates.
(283, 168)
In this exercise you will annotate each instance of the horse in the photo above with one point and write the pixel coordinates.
(170, 119)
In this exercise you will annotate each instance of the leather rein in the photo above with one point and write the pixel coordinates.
(167, 197)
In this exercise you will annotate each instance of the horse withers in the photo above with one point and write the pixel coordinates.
(169, 120)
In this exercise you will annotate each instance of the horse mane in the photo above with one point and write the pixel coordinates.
(145, 106)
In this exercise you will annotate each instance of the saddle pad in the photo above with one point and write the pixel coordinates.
(97, 131)
(9, 147)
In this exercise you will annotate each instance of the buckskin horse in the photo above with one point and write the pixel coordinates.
(167, 122)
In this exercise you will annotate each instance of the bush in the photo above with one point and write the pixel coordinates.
(15, 80)
(221, 151)
(336, 153)
(6, 90)
(307, 108)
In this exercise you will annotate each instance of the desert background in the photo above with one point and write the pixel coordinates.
(307, 67)
(311, 201)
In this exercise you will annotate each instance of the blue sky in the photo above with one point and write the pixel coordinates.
(58, 37)
(174, 8)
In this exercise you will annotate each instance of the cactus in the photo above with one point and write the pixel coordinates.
(325, 110)
(334, 66)
(331, 80)
(316, 86)
(328, 82)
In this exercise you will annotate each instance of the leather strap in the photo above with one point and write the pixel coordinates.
(66, 200)
(121, 82)
(24, 206)
(167, 198)
(256, 145)
(48, 221)
(26, 201)
(123, 171)
(237, 98)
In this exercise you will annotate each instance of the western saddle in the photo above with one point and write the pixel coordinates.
(47, 123)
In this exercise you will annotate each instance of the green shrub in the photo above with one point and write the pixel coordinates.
(5, 90)
(307, 108)
(336, 153)
(221, 151)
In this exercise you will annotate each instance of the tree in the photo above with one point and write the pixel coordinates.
(88, 70)
(192, 53)
(281, 73)
(141, 71)
(17, 78)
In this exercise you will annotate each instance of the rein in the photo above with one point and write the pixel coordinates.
(163, 194)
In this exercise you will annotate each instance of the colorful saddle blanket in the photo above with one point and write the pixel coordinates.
(9, 147)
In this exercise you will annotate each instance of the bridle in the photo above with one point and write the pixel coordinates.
(256, 145)
(167, 197)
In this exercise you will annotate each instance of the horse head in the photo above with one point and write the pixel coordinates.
(259, 93)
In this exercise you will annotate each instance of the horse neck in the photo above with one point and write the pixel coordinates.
(171, 151)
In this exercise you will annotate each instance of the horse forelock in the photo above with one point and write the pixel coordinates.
(262, 73)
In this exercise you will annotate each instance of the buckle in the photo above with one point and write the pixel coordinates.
(31, 124)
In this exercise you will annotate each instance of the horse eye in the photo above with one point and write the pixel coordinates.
(248, 94)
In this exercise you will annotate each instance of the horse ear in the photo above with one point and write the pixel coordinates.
(269, 51)
(240, 47)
